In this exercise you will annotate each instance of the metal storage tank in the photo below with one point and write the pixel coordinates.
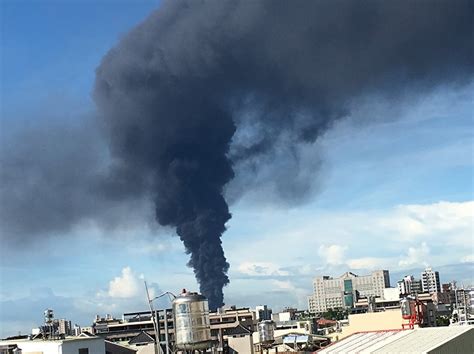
(408, 308)
(266, 332)
(191, 321)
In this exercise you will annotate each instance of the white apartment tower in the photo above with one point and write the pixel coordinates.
(330, 293)
(430, 281)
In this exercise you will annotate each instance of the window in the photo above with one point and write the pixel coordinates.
(84, 351)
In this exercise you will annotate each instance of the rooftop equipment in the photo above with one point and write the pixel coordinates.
(413, 311)
(407, 307)
(191, 318)
(266, 333)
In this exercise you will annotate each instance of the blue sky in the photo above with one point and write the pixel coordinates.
(395, 194)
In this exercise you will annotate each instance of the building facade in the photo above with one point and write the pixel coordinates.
(409, 286)
(262, 312)
(75, 345)
(64, 327)
(430, 281)
(343, 292)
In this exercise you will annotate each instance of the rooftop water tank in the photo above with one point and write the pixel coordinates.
(191, 321)
(408, 308)
(266, 333)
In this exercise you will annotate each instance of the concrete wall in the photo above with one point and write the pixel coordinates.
(40, 347)
(95, 346)
(372, 321)
(241, 345)
(144, 349)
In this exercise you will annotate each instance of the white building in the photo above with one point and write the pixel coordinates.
(72, 345)
(430, 281)
(330, 293)
(409, 286)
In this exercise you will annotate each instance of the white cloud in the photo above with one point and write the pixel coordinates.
(261, 269)
(416, 220)
(416, 256)
(374, 237)
(369, 263)
(127, 285)
(283, 284)
(332, 254)
(468, 258)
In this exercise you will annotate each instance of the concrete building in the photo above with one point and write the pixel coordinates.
(263, 313)
(124, 329)
(288, 314)
(233, 327)
(390, 300)
(286, 336)
(430, 281)
(409, 286)
(343, 292)
(239, 340)
(232, 317)
(70, 345)
(64, 327)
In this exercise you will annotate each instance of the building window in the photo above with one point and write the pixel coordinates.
(84, 351)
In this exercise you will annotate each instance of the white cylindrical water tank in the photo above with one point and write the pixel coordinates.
(191, 321)
(266, 332)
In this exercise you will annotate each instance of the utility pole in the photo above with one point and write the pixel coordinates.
(155, 327)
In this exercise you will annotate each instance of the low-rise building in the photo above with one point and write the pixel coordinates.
(133, 323)
(69, 345)
(233, 326)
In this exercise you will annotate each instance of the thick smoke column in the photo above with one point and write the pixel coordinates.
(177, 88)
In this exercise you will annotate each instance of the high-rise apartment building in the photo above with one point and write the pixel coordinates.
(409, 286)
(64, 327)
(263, 313)
(342, 292)
(430, 281)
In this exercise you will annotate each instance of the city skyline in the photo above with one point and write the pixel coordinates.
(393, 188)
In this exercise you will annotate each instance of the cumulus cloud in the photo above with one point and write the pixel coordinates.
(332, 254)
(367, 233)
(416, 256)
(417, 220)
(125, 292)
(125, 286)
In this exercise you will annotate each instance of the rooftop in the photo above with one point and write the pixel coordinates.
(40, 340)
(420, 340)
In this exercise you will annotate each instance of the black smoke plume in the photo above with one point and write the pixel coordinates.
(176, 89)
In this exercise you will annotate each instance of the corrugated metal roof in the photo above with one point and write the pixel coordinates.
(418, 340)
(423, 339)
